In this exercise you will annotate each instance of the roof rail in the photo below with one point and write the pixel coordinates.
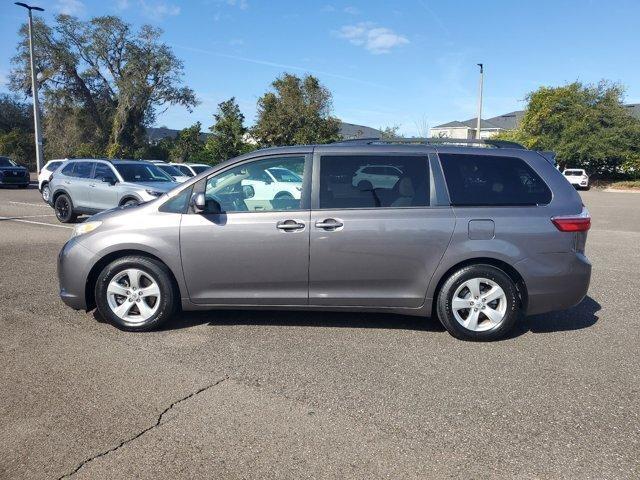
(485, 142)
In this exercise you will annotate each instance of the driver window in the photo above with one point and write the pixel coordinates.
(270, 184)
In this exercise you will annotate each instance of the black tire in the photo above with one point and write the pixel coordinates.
(455, 280)
(63, 207)
(132, 202)
(158, 272)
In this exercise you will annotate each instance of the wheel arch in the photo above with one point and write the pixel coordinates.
(509, 270)
(127, 197)
(92, 277)
(57, 193)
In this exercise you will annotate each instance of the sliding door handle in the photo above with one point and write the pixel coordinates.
(329, 224)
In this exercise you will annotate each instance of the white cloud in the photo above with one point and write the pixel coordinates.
(376, 40)
(241, 4)
(71, 7)
(351, 10)
(158, 10)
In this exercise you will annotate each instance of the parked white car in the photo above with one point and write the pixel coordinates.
(577, 177)
(43, 177)
(191, 169)
(275, 183)
(172, 170)
(380, 176)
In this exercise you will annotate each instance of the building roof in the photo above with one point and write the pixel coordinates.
(511, 120)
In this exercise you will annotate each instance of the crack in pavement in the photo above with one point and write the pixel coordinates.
(140, 434)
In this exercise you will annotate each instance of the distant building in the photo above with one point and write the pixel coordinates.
(492, 126)
(348, 131)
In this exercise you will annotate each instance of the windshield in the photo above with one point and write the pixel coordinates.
(285, 175)
(142, 172)
(171, 170)
(7, 162)
(200, 168)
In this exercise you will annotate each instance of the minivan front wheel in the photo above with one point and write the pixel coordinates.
(135, 293)
(478, 302)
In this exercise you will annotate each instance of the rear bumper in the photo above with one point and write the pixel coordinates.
(74, 264)
(555, 281)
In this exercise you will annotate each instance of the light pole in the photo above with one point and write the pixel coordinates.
(480, 101)
(34, 88)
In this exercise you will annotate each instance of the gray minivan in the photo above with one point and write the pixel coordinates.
(473, 235)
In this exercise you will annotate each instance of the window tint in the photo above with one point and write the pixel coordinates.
(53, 166)
(185, 170)
(103, 171)
(83, 169)
(68, 170)
(171, 170)
(492, 180)
(248, 188)
(179, 203)
(367, 181)
(7, 162)
(200, 168)
(142, 172)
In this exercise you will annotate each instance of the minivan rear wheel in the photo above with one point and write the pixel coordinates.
(478, 302)
(135, 293)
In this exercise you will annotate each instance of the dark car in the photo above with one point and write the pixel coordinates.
(13, 174)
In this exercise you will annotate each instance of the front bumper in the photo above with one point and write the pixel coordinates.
(20, 181)
(555, 281)
(74, 265)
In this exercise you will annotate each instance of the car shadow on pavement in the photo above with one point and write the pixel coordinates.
(583, 315)
(303, 319)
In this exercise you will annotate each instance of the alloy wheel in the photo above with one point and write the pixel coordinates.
(479, 304)
(133, 295)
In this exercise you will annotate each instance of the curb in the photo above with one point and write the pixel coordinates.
(619, 190)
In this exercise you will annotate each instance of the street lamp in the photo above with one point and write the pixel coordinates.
(479, 101)
(34, 88)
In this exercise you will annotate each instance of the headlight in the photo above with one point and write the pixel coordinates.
(86, 227)
(154, 193)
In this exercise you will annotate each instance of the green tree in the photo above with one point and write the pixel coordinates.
(586, 125)
(102, 82)
(16, 131)
(227, 139)
(187, 146)
(298, 111)
(389, 133)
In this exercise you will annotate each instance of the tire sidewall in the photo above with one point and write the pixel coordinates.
(155, 269)
(445, 313)
(48, 190)
(70, 217)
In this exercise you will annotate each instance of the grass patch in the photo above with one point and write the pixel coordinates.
(626, 185)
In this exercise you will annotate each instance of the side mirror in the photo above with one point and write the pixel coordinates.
(198, 202)
(109, 180)
(248, 191)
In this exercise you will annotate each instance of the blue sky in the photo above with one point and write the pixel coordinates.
(409, 63)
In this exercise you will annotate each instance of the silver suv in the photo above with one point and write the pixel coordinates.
(91, 186)
(473, 235)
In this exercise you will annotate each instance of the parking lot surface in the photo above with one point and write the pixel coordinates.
(233, 394)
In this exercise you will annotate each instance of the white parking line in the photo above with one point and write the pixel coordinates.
(31, 204)
(13, 219)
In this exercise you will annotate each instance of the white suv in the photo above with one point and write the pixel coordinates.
(275, 182)
(380, 176)
(43, 177)
(577, 177)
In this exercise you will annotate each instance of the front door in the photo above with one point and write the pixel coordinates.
(374, 242)
(104, 195)
(251, 244)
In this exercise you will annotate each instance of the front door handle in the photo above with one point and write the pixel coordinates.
(290, 225)
(330, 224)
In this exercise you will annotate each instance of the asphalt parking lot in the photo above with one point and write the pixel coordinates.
(316, 395)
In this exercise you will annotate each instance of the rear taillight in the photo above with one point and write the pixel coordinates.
(573, 223)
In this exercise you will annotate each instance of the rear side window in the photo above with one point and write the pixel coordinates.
(68, 170)
(103, 171)
(374, 181)
(53, 166)
(485, 180)
(83, 169)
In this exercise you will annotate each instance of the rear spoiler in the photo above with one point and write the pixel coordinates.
(549, 156)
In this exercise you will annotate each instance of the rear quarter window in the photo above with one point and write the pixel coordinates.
(487, 180)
